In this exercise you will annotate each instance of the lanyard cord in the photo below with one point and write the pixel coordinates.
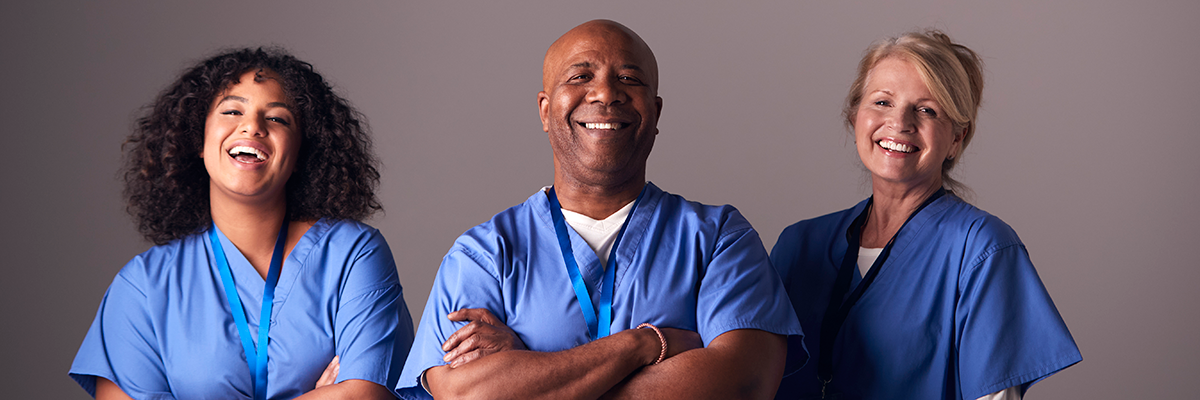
(838, 310)
(598, 325)
(258, 366)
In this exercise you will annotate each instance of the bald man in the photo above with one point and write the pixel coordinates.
(603, 285)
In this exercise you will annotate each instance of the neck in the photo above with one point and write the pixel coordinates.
(891, 206)
(252, 228)
(597, 201)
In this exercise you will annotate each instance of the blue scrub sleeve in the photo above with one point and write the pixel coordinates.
(373, 327)
(1010, 332)
(741, 290)
(121, 344)
(461, 282)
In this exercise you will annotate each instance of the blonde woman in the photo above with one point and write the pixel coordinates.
(913, 293)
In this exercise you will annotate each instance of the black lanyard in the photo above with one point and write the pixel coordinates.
(836, 312)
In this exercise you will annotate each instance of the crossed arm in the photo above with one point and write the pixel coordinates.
(484, 363)
(326, 388)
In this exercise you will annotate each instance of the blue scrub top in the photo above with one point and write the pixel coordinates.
(680, 264)
(956, 312)
(165, 330)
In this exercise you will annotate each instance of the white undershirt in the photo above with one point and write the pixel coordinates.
(599, 234)
(867, 257)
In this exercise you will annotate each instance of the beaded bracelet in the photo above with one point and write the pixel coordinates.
(661, 354)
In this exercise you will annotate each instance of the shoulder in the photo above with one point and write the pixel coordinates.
(338, 238)
(353, 241)
(339, 230)
(824, 226)
(979, 228)
(810, 242)
(721, 219)
(496, 240)
(159, 266)
(979, 234)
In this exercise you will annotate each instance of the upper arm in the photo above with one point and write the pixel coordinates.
(1009, 331)
(106, 390)
(461, 282)
(740, 290)
(373, 329)
(122, 346)
(753, 358)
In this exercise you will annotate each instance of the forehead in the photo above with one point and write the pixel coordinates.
(266, 82)
(598, 45)
(897, 73)
(589, 45)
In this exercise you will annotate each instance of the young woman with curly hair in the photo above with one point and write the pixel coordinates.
(251, 176)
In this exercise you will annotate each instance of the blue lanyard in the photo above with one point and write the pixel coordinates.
(258, 366)
(598, 325)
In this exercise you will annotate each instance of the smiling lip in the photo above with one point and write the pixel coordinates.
(893, 146)
(248, 153)
(609, 126)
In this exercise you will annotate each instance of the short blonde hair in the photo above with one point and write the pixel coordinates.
(951, 71)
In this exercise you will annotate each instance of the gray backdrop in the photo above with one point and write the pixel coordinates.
(1083, 143)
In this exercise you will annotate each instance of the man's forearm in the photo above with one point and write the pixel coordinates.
(584, 372)
(739, 364)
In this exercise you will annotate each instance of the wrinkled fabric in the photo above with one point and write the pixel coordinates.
(956, 312)
(164, 329)
(680, 264)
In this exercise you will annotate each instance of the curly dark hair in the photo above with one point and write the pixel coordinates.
(166, 184)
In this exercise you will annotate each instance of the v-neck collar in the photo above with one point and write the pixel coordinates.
(905, 238)
(250, 284)
(589, 263)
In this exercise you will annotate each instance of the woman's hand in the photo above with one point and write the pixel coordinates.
(329, 377)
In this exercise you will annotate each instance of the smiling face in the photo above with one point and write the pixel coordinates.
(902, 134)
(251, 141)
(600, 104)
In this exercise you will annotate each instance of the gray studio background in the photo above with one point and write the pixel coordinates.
(1086, 143)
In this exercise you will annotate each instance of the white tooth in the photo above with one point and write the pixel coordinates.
(601, 125)
(246, 149)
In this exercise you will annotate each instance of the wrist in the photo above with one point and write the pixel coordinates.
(659, 339)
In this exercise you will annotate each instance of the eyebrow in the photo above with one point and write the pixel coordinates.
(241, 99)
(587, 64)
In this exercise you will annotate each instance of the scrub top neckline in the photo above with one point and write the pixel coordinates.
(250, 284)
(589, 264)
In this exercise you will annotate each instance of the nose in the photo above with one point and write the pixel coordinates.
(902, 120)
(606, 91)
(253, 126)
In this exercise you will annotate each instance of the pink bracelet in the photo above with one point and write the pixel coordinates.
(661, 354)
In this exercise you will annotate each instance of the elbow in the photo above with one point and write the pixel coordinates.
(448, 384)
